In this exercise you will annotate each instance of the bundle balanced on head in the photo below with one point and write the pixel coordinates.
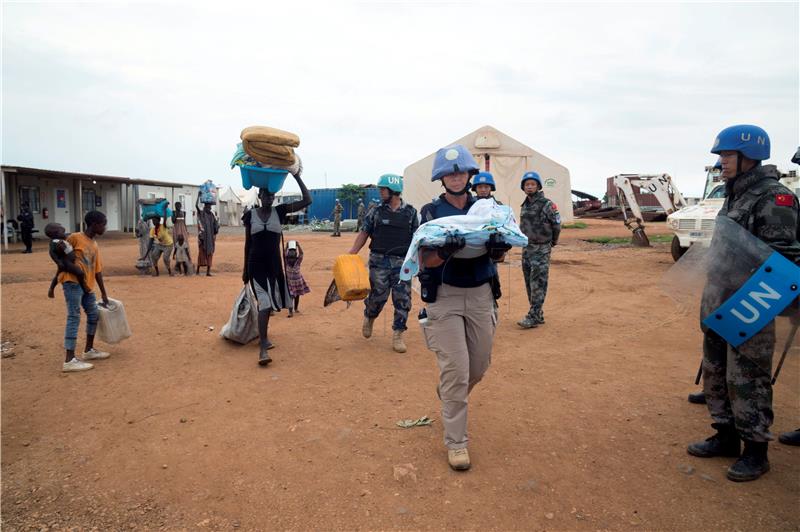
(390, 227)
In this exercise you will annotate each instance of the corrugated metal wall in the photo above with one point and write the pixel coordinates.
(323, 200)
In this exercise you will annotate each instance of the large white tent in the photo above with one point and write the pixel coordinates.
(232, 203)
(507, 159)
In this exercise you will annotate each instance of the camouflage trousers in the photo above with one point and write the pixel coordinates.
(384, 277)
(737, 383)
(536, 269)
(337, 223)
(359, 224)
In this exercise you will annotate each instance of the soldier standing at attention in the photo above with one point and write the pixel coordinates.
(737, 381)
(361, 212)
(541, 223)
(460, 321)
(390, 226)
(337, 218)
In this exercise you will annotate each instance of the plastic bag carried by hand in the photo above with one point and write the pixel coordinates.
(242, 327)
(112, 324)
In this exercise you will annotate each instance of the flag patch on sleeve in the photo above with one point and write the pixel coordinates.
(784, 200)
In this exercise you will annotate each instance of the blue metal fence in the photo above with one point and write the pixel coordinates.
(324, 199)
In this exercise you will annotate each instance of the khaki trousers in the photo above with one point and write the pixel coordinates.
(460, 330)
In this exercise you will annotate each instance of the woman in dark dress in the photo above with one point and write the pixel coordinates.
(263, 267)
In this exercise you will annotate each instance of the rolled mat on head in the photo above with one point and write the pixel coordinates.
(270, 135)
(266, 148)
(271, 161)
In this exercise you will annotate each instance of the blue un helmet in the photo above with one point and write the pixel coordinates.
(751, 141)
(393, 182)
(483, 178)
(453, 159)
(530, 175)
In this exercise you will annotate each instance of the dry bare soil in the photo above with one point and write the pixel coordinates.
(581, 424)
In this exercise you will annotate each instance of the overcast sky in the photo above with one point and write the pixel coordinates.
(162, 90)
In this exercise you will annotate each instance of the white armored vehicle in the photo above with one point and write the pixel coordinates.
(696, 223)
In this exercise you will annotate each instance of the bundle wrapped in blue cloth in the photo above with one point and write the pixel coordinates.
(208, 193)
(152, 210)
(483, 219)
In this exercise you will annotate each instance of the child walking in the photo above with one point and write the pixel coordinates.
(297, 284)
(182, 255)
(64, 256)
(87, 255)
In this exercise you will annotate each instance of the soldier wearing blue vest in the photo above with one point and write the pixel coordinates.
(460, 321)
(390, 225)
(737, 381)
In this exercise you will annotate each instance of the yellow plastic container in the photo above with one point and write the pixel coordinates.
(351, 276)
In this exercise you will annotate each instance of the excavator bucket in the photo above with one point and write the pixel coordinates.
(639, 239)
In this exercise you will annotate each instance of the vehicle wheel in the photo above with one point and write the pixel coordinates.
(676, 249)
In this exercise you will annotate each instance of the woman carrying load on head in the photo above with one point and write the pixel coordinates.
(263, 255)
(207, 227)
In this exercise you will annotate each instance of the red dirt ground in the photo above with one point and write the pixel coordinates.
(580, 424)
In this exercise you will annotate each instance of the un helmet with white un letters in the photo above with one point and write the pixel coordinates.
(751, 141)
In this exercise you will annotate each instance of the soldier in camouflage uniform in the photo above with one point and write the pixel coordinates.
(736, 381)
(337, 218)
(390, 227)
(541, 223)
(793, 436)
(361, 212)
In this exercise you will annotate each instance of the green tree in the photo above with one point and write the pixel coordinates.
(350, 194)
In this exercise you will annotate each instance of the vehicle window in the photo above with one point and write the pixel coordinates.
(717, 193)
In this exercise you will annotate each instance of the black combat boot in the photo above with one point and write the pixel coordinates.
(698, 398)
(790, 438)
(724, 443)
(752, 464)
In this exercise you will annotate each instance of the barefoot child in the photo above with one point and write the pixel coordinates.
(182, 255)
(87, 256)
(297, 284)
(64, 256)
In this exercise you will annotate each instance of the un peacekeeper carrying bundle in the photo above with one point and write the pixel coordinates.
(390, 226)
(456, 281)
(737, 375)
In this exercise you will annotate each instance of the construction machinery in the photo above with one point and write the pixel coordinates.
(663, 189)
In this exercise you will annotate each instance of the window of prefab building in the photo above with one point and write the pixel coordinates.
(89, 199)
(31, 196)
